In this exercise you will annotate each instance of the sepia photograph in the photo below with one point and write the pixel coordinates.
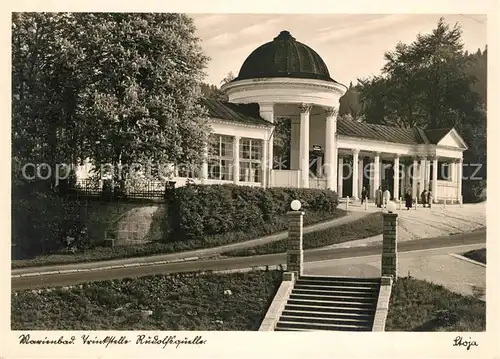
(248, 172)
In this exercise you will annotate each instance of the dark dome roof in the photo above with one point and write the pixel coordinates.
(284, 57)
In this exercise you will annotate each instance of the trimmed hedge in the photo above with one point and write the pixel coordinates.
(195, 211)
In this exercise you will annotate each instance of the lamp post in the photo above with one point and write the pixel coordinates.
(295, 253)
(389, 241)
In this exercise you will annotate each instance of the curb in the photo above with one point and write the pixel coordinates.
(458, 256)
(66, 271)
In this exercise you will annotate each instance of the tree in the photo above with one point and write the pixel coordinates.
(349, 104)
(282, 138)
(229, 77)
(119, 88)
(428, 83)
(213, 92)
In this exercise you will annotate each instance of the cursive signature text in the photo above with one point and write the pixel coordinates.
(459, 342)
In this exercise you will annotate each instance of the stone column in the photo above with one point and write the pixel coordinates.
(434, 178)
(236, 159)
(361, 170)
(305, 109)
(340, 178)
(371, 181)
(421, 176)
(331, 148)
(389, 245)
(376, 176)
(355, 175)
(266, 111)
(396, 178)
(295, 253)
(427, 174)
(266, 182)
(414, 178)
(460, 174)
(408, 167)
(204, 166)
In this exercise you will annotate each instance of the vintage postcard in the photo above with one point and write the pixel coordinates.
(185, 178)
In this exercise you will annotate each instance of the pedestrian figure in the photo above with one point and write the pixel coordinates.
(423, 197)
(364, 195)
(379, 197)
(408, 199)
(387, 197)
(429, 198)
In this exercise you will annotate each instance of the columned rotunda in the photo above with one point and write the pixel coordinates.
(286, 78)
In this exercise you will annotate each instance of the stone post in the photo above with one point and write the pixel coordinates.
(389, 245)
(294, 252)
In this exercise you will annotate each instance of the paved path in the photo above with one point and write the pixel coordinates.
(476, 239)
(439, 266)
(427, 222)
(194, 254)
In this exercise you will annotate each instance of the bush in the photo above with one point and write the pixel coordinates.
(43, 222)
(195, 211)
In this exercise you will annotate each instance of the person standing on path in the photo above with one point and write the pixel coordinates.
(378, 197)
(408, 199)
(423, 197)
(429, 198)
(387, 197)
(364, 195)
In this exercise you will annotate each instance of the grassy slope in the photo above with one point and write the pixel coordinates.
(414, 305)
(368, 226)
(107, 253)
(478, 255)
(198, 302)
(178, 302)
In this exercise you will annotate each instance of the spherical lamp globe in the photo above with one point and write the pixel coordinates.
(295, 205)
(391, 207)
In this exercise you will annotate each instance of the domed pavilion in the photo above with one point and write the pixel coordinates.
(285, 78)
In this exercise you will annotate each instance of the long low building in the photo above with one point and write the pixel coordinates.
(285, 78)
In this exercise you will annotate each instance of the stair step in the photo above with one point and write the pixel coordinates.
(338, 283)
(331, 303)
(320, 326)
(298, 312)
(291, 330)
(318, 320)
(334, 297)
(337, 287)
(330, 309)
(363, 294)
(340, 279)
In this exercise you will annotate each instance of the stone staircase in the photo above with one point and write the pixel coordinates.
(330, 303)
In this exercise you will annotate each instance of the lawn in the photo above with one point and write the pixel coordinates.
(211, 301)
(478, 255)
(422, 306)
(368, 226)
(178, 302)
(100, 253)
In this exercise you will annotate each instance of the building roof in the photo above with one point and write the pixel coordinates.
(409, 136)
(242, 113)
(249, 114)
(436, 135)
(284, 57)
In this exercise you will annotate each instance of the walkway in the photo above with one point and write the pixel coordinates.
(427, 222)
(334, 256)
(190, 255)
(439, 266)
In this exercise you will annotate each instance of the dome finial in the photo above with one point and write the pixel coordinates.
(284, 35)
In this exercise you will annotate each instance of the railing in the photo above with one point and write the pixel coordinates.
(137, 190)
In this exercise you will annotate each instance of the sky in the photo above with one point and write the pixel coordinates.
(352, 45)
